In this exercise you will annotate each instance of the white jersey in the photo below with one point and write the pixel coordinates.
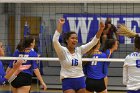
(71, 64)
(131, 71)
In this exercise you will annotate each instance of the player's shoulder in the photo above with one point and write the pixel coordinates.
(133, 54)
(16, 52)
(107, 52)
(131, 58)
(100, 55)
(103, 55)
(32, 53)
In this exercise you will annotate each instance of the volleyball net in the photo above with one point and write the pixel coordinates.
(56, 59)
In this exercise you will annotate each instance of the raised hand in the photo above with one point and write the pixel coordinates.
(24, 67)
(102, 26)
(61, 21)
(17, 64)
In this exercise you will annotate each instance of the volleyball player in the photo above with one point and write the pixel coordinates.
(131, 68)
(23, 81)
(70, 58)
(94, 71)
(109, 47)
(11, 75)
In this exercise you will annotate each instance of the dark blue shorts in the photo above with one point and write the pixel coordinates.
(73, 83)
(132, 91)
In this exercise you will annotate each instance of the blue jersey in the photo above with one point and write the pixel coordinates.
(2, 80)
(95, 70)
(106, 65)
(33, 63)
(108, 53)
(2, 72)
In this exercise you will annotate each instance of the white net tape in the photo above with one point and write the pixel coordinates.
(56, 59)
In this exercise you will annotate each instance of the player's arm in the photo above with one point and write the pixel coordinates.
(60, 24)
(93, 42)
(101, 28)
(125, 71)
(11, 74)
(8, 69)
(14, 69)
(10, 66)
(11, 63)
(125, 74)
(37, 73)
(56, 44)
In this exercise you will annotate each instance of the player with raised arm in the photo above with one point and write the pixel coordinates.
(70, 58)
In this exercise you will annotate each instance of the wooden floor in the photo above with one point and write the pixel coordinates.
(36, 89)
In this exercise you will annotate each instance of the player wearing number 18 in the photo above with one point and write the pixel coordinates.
(70, 58)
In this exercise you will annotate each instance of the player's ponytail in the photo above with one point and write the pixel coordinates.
(137, 36)
(124, 31)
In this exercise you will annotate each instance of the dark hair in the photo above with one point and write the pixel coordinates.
(107, 20)
(108, 44)
(67, 35)
(20, 46)
(89, 52)
(27, 41)
(137, 42)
